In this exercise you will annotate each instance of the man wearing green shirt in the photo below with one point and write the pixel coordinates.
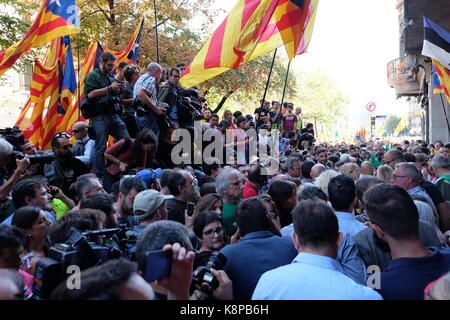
(441, 168)
(100, 88)
(229, 186)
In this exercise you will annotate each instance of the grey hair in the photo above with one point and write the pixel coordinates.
(6, 148)
(441, 162)
(324, 179)
(156, 235)
(290, 162)
(345, 158)
(411, 170)
(152, 66)
(84, 183)
(223, 179)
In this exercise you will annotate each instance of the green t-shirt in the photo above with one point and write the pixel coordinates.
(60, 208)
(229, 217)
(299, 123)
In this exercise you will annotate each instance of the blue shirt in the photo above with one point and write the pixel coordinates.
(311, 277)
(255, 254)
(347, 255)
(406, 278)
(348, 224)
(8, 221)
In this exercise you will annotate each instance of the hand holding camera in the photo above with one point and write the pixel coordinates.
(23, 164)
(117, 86)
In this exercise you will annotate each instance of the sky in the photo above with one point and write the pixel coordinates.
(352, 42)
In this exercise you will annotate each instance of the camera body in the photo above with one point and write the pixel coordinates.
(77, 252)
(203, 274)
(40, 158)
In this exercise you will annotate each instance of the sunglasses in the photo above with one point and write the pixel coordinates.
(62, 135)
(76, 131)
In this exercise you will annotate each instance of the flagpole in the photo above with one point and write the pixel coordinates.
(268, 79)
(78, 72)
(445, 112)
(156, 32)
(284, 90)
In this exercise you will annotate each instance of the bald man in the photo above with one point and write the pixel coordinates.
(392, 157)
(84, 147)
(317, 170)
(366, 169)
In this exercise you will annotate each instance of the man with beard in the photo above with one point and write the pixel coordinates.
(128, 189)
(183, 186)
(65, 169)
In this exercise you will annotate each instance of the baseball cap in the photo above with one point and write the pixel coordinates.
(148, 201)
(148, 175)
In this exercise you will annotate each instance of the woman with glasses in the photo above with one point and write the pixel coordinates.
(127, 154)
(208, 227)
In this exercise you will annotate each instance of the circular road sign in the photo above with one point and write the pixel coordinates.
(371, 106)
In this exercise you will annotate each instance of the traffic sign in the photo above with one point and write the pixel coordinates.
(371, 106)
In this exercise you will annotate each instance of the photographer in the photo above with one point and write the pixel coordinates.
(65, 169)
(103, 91)
(145, 91)
(173, 236)
(8, 180)
(169, 93)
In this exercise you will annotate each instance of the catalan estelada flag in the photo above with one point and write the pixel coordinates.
(253, 28)
(435, 82)
(31, 117)
(444, 78)
(56, 18)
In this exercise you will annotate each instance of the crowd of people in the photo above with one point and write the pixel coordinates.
(305, 220)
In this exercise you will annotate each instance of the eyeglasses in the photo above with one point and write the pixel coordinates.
(62, 135)
(76, 131)
(210, 233)
(387, 162)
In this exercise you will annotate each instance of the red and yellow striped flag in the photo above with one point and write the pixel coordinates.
(253, 28)
(444, 77)
(30, 119)
(56, 18)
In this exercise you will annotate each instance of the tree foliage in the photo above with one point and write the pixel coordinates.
(320, 99)
(392, 123)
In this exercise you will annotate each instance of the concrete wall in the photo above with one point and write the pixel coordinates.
(438, 122)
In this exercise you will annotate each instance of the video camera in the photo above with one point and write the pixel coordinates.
(78, 253)
(13, 135)
(203, 274)
(40, 158)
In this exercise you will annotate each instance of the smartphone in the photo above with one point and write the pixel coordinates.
(190, 208)
(159, 265)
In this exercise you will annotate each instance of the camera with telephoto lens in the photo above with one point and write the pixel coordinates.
(203, 274)
(79, 253)
(40, 158)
